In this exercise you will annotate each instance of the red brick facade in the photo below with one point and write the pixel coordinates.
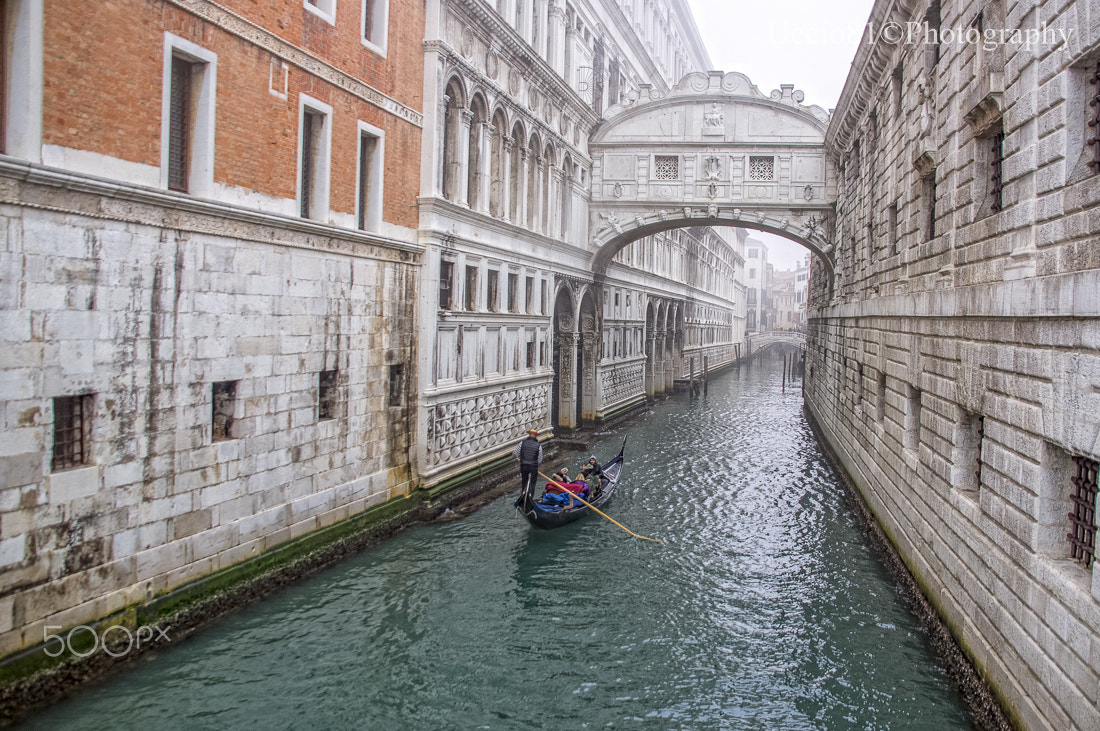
(102, 79)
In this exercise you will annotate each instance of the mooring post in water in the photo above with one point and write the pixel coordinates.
(691, 375)
(706, 378)
(784, 373)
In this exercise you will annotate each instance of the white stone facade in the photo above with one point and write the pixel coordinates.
(516, 331)
(142, 303)
(954, 358)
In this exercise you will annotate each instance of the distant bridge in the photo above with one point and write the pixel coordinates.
(759, 342)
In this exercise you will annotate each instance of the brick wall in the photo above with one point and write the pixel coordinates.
(956, 374)
(103, 73)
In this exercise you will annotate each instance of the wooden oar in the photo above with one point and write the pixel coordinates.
(574, 496)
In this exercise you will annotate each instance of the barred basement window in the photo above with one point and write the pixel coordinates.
(1082, 521)
(446, 277)
(996, 163)
(666, 167)
(892, 230)
(761, 167)
(224, 403)
(1094, 123)
(72, 431)
(911, 436)
(928, 184)
(327, 395)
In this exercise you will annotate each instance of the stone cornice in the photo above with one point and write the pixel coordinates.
(871, 62)
(523, 58)
(246, 30)
(579, 107)
(180, 212)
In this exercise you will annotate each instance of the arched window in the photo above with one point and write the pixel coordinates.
(478, 149)
(455, 102)
(516, 174)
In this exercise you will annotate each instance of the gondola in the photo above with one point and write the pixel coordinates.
(548, 517)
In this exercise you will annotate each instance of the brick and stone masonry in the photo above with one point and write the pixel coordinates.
(242, 374)
(954, 355)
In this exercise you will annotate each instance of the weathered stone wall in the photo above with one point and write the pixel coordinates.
(954, 359)
(144, 303)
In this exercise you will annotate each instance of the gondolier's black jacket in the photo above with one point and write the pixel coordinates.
(529, 452)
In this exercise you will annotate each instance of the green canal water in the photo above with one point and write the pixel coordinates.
(764, 608)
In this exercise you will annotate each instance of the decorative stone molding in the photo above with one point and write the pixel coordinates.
(472, 425)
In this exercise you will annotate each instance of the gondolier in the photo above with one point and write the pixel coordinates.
(529, 454)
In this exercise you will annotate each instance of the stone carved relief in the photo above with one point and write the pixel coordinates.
(715, 117)
(514, 82)
(472, 425)
(712, 168)
(492, 64)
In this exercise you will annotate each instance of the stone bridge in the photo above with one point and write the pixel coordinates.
(715, 151)
(759, 342)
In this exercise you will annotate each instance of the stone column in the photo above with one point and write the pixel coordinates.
(462, 185)
(440, 171)
(557, 191)
(658, 362)
(522, 178)
(651, 363)
(568, 343)
(506, 180)
(540, 195)
(557, 21)
(485, 174)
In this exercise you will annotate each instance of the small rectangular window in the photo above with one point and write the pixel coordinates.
(327, 395)
(996, 170)
(369, 198)
(892, 229)
(223, 406)
(325, 9)
(397, 385)
(72, 431)
(530, 354)
(374, 24)
(928, 186)
(513, 292)
(911, 437)
(179, 125)
(899, 86)
(492, 293)
(1094, 120)
(666, 167)
(471, 288)
(1082, 521)
(530, 294)
(308, 162)
(761, 167)
(446, 283)
(314, 151)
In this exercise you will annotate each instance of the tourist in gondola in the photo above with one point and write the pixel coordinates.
(592, 472)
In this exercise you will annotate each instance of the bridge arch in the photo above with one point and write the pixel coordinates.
(714, 151)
